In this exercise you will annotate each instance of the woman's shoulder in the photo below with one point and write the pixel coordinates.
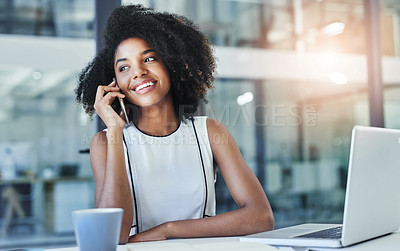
(215, 127)
(212, 125)
(100, 138)
(218, 134)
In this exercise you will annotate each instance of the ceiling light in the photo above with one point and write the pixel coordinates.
(245, 98)
(338, 78)
(333, 29)
(37, 75)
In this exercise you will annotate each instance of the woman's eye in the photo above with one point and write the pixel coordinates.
(149, 59)
(123, 68)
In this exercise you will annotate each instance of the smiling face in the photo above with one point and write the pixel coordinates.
(141, 74)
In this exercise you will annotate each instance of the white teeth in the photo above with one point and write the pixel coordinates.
(140, 87)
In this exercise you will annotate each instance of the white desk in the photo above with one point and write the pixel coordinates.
(387, 243)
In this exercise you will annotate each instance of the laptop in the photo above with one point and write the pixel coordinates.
(372, 204)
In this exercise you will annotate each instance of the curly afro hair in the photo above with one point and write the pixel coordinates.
(185, 51)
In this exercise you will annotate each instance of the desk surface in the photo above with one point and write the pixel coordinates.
(386, 243)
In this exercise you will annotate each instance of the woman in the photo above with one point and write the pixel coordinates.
(160, 167)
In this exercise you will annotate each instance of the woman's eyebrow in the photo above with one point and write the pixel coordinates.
(143, 53)
(148, 51)
(119, 60)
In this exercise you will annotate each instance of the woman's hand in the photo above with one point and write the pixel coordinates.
(155, 234)
(105, 96)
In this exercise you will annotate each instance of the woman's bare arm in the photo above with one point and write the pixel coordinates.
(112, 185)
(108, 160)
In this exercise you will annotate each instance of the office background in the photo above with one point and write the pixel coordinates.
(293, 78)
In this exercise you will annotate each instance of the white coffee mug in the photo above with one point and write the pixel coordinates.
(98, 228)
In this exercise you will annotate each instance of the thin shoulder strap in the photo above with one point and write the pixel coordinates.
(133, 188)
(202, 164)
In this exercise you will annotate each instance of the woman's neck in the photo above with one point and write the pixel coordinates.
(157, 120)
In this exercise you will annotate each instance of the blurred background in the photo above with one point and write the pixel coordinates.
(293, 79)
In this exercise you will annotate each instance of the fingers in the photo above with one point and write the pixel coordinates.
(110, 97)
(106, 95)
(102, 90)
(113, 83)
(107, 100)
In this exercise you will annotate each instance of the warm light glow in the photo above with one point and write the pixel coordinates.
(329, 59)
(333, 29)
(338, 78)
(245, 98)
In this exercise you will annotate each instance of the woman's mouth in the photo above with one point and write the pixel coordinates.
(145, 87)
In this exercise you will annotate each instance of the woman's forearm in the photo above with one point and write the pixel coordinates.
(115, 189)
(112, 189)
(246, 220)
(243, 221)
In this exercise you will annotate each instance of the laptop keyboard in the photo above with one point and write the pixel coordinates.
(330, 233)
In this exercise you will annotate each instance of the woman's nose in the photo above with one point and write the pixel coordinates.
(139, 72)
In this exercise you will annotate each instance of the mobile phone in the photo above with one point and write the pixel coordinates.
(121, 102)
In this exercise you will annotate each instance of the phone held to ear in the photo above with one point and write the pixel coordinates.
(121, 102)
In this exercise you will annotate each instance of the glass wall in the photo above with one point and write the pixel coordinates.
(61, 18)
(390, 26)
(44, 134)
(292, 82)
(307, 25)
(304, 131)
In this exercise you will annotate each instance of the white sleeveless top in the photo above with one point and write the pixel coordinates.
(169, 180)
